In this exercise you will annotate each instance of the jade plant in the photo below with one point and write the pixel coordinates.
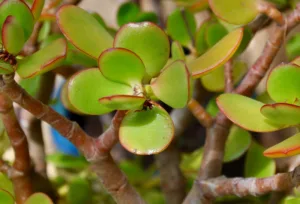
(141, 80)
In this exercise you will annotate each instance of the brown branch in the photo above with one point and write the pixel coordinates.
(31, 44)
(241, 187)
(200, 113)
(22, 164)
(271, 11)
(228, 76)
(108, 172)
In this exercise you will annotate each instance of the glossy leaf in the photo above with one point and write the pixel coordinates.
(190, 163)
(172, 86)
(238, 12)
(283, 83)
(148, 41)
(122, 102)
(21, 12)
(245, 112)
(200, 41)
(86, 87)
(283, 113)
(177, 51)
(215, 81)
(256, 164)
(77, 57)
(127, 13)
(6, 197)
(6, 68)
(37, 8)
(38, 198)
(214, 33)
(43, 60)
(65, 99)
(6, 184)
(238, 142)
(65, 161)
(217, 55)
(181, 24)
(13, 38)
(146, 132)
(80, 191)
(286, 148)
(122, 65)
(83, 30)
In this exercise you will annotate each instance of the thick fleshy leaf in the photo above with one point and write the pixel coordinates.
(127, 13)
(290, 200)
(193, 5)
(146, 132)
(13, 38)
(238, 142)
(45, 31)
(37, 8)
(200, 41)
(123, 102)
(86, 87)
(6, 68)
(245, 112)
(177, 51)
(217, 55)
(212, 107)
(6, 184)
(43, 60)
(31, 85)
(148, 41)
(292, 47)
(283, 83)
(38, 198)
(77, 57)
(65, 161)
(6, 197)
(215, 81)
(181, 25)
(190, 163)
(286, 148)
(237, 12)
(122, 65)
(83, 30)
(65, 99)
(283, 113)
(172, 86)
(296, 61)
(256, 164)
(146, 16)
(247, 37)
(80, 191)
(21, 12)
(214, 33)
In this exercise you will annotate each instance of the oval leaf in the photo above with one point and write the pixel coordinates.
(214, 33)
(146, 132)
(86, 87)
(6, 197)
(177, 51)
(190, 163)
(83, 30)
(65, 99)
(21, 12)
(6, 68)
(13, 38)
(238, 142)
(172, 86)
(215, 81)
(200, 41)
(6, 183)
(256, 164)
(122, 65)
(37, 8)
(148, 41)
(38, 198)
(127, 13)
(237, 12)
(245, 112)
(288, 147)
(181, 24)
(122, 102)
(283, 83)
(283, 113)
(217, 55)
(43, 60)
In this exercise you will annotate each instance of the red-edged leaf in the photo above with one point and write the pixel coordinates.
(37, 8)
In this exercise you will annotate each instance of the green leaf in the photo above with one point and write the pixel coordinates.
(215, 81)
(291, 200)
(31, 85)
(134, 171)
(238, 142)
(77, 57)
(286, 148)
(292, 47)
(38, 198)
(122, 66)
(127, 13)
(238, 12)
(87, 86)
(6, 68)
(154, 196)
(177, 51)
(65, 99)
(12, 35)
(282, 113)
(21, 12)
(190, 163)
(6, 184)
(283, 83)
(148, 41)
(80, 191)
(65, 161)
(256, 164)
(146, 132)
(214, 33)
(218, 55)
(180, 25)
(43, 60)
(122, 102)
(45, 31)
(247, 37)
(200, 41)
(146, 16)
(212, 107)
(245, 112)
(37, 8)
(173, 85)
(6, 197)
(83, 30)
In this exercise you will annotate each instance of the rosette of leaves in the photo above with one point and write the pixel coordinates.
(250, 114)
(17, 22)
